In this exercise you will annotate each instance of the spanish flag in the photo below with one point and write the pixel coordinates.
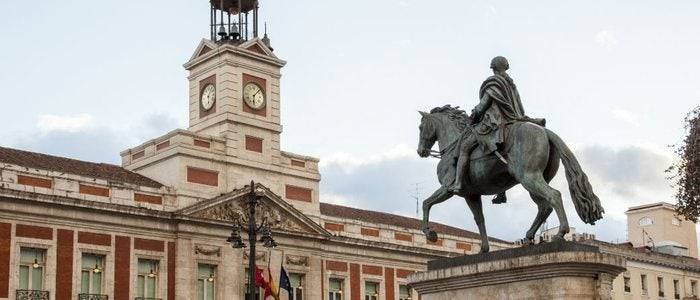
(271, 289)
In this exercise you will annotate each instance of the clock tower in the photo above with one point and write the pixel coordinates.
(234, 79)
(234, 128)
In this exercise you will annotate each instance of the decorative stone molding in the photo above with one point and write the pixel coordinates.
(235, 211)
(259, 256)
(297, 260)
(208, 251)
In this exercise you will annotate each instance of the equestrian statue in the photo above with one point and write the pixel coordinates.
(497, 147)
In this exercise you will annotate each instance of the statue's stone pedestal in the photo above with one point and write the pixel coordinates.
(557, 270)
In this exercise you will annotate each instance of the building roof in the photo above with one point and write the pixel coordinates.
(345, 212)
(104, 171)
(651, 205)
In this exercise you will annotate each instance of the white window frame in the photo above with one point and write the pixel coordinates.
(42, 263)
(378, 293)
(205, 279)
(103, 259)
(342, 292)
(157, 271)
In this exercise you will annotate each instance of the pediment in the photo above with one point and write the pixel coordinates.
(257, 46)
(204, 47)
(233, 207)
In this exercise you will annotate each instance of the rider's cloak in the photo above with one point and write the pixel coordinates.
(503, 107)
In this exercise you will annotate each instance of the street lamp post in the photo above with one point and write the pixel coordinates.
(253, 229)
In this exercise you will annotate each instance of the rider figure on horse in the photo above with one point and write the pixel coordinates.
(500, 106)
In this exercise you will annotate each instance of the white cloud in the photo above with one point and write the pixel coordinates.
(349, 162)
(71, 123)
(626, 116)
(606, 39)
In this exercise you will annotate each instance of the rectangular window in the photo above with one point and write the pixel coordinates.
(297, 283)
(626, 282)
(335, 289)
(371, 291)
(147, 278)
(645, 288)
(91, 274)
(660, 285)
(247, 282)
(693, 288)
(404, 292)
(206, 280)
(676, 289)
(31, 269)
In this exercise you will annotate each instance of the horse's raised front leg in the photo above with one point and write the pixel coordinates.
(544, 209)
(474, 202)
(438, 196)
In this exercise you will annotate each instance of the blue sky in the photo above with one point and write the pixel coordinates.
(87, 79)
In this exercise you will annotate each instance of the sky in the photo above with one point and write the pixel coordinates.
(614, 79)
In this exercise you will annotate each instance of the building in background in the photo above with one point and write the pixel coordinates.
(661, 254)
(659, 227)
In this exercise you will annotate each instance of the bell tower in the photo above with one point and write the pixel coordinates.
(234, 80)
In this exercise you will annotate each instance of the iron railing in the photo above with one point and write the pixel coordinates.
(32, 295)
(92, 297)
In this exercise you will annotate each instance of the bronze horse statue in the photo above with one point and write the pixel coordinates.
(532, 153)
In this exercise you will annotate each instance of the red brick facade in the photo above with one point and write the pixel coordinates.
(372, 270)
(370, 232)
(298, 193)
(338, 266)
(254, 144)
(93, 190)
(355, 282)
(122, 264)
(298, 163)
(5, 240)
(94, 238)
(163, 145)
(138, 155)
(171, 270)
(34, 181)
(400, 273)
(31, 231)
(201, 176)
(389, 283)
(64, 264)
(149, 245)
(200, 143)
(333, 226)
(403, 237)
(464, 246)
(138, 197)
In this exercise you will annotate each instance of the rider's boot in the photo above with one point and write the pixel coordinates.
(462, 163)
(500, 198)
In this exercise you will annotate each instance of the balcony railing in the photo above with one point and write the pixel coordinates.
(92, 297)
(32, 295)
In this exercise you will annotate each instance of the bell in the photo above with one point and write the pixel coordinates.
(234, 32)
(222, 31)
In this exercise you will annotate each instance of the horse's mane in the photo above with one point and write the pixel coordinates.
(455, 114)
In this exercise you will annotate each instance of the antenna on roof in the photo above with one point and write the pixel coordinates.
(417, 188)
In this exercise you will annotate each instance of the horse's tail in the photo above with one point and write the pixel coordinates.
(586, 202)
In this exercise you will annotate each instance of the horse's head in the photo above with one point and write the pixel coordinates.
(443, 125)
(427, 134)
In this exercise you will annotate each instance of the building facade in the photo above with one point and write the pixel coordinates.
(156, 226)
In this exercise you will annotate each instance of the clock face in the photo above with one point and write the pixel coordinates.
(254, 96)
(208, 97)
